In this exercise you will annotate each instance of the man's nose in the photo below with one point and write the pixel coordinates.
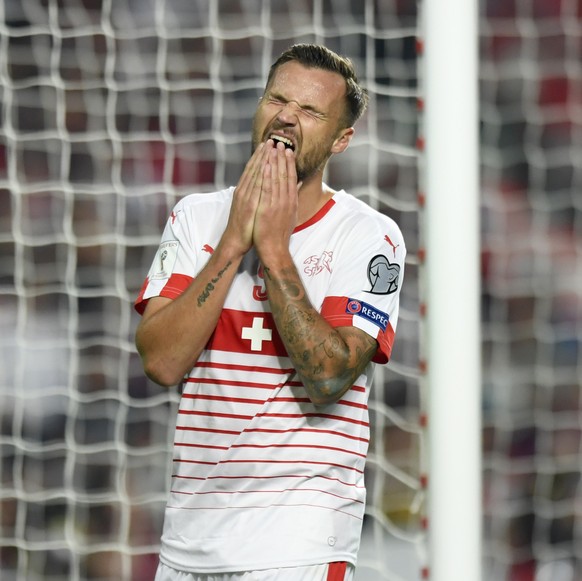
(289, 113)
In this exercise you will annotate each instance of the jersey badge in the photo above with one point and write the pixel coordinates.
(165, 259)
(316, 264)
(383, 276)
(368, 312)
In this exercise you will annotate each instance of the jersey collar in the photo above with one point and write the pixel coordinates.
(317, 216)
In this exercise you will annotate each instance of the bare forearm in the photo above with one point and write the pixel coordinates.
(323, 360)
(171, 338)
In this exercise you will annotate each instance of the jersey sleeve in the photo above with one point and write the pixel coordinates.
(174, 263)
(364, 290)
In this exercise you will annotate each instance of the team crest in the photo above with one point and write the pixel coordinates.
(316, 264)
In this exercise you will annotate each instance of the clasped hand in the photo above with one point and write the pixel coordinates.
(265, 201)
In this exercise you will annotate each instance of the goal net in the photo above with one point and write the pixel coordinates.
(111, 111)
(531, 101)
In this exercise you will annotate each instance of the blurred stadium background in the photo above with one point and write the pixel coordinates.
(113, 110)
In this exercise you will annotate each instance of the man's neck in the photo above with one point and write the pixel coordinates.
(312, 197)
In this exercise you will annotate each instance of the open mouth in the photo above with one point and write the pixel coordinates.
(286, 142)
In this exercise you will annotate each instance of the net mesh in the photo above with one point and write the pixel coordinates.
(531, 97)
(111, 111)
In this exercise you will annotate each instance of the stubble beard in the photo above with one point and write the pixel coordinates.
(305, 166)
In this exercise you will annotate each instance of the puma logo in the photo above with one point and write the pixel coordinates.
(394, 246)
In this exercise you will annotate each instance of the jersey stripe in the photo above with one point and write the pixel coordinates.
(336, 571)
(331, 432)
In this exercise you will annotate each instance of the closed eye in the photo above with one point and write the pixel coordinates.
(306, 109)
(312, 112)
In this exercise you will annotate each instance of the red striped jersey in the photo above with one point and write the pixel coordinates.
(262, 478)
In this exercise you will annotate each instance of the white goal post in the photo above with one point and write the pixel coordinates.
(452, 258)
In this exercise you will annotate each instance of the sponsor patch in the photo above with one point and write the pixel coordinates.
(165, 260)
(383, 275)
(368, 312)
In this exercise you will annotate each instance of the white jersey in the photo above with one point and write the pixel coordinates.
(262, 478)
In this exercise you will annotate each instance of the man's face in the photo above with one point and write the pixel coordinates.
(302, 107)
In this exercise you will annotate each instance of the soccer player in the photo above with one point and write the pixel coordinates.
(271, 301)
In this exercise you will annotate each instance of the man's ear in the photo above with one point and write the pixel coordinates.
(343, 140)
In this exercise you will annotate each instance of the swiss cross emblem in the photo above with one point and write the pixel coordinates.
(256, 334)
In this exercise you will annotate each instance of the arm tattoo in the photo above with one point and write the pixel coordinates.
(294, 315)
(210, 286)
(293, 289)
(322, 358)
